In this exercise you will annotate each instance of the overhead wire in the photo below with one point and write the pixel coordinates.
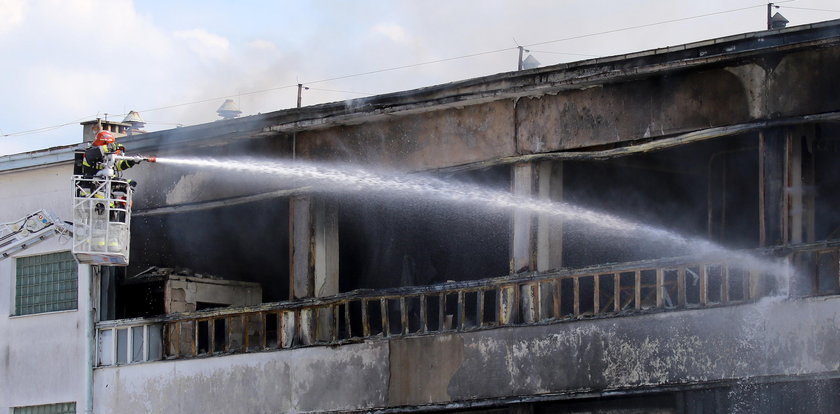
(562, 53)
(808, 8)
(217, 98)
(411, 65)
(46, 128)
(340, 91)
(341, 77)
(640, 26)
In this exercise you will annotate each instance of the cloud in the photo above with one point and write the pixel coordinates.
(392, 31)
(11, 14)
(262, 45)
(69, 90)
(204, 43)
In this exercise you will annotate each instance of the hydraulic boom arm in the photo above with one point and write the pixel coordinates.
(32, 229)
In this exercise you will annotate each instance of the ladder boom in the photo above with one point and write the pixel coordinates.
(32, 229)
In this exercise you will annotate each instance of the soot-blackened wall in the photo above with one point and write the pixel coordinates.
(391, 241)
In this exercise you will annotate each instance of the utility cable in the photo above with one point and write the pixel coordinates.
(682, 19)
(807, 8)
(412, 65)
(340, 91)
(217, 98)
(469, 55)
(562, 53)
(44, 129)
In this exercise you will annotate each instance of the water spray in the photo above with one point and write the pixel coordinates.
(355, 179)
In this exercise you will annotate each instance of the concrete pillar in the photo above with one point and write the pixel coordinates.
(786, 179)
(537, 242)
(771, 195)
(313, 262)
(800, 184)
(786, 199)
(799, 206)
(313, 256)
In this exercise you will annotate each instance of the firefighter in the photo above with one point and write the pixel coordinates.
(94, 161)
(122, 165)
(96, 164)
(94, 157)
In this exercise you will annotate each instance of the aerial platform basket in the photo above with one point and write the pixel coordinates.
(101, 220)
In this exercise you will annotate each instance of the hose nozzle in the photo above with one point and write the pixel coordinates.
(136, 158)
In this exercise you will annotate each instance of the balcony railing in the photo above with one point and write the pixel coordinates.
(649, 286)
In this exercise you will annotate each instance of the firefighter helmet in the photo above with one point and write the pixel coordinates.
(103, 138)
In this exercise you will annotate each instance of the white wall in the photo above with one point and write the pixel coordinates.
(350, 377)
(42, 356)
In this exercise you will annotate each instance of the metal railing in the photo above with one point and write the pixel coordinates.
(649, 286)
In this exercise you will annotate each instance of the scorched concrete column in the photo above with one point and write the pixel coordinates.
(800, 185)
(537, 239)
(786, 198)
(313, 244)
(772, 161)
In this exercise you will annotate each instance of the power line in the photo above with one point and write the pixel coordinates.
(340, 91)
(682, 19)
(473, 55)
(44, 129)
(217, 98)
(165, 123)
(562, 53)
(412, 65)
(540, 43)
(806, 8)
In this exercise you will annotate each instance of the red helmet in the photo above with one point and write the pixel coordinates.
(103, 138)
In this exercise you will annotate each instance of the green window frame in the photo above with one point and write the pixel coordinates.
(46, 283)
(62, 408)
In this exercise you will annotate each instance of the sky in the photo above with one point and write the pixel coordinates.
(68, 61)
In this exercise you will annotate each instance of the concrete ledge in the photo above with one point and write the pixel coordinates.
(687, 349)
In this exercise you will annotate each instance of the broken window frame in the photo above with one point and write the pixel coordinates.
(676, 284)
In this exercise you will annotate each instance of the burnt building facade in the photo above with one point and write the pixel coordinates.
(392, 301)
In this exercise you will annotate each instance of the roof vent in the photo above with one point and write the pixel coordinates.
(778, 21)
(530, 62)
(228, 110)
(135, 120)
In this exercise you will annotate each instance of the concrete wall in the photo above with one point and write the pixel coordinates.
(774, 337)
(42, 356)
(182, 294)
(422, 141)
(309, 379)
